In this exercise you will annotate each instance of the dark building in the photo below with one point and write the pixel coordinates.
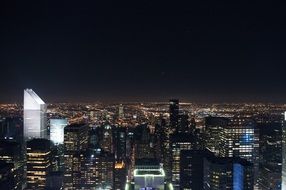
(120, 143)
(201, 170)
(7, 179)
(38, 163)
(270, 148)
(120, 175)
(227, 174)
(11, 128)
(174, 113)
(183, 124)
(160, 139)
(11, 152)
(143, 145)
(55, 181)
(192, 169)
(107, 140)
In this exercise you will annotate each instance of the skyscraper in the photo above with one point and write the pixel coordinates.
(234, 137)
(148, 174)
(57, 130)
(75, 144)
(174, 113)
(10, 152)
(179, 142)
(35, 125)
(201, 169)
(284, 153)
(38, 163)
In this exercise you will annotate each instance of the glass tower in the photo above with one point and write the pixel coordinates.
(35, 125)
(57, 130)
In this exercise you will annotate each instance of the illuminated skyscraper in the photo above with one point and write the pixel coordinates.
(75, 144)
(179, 142)
(35, 125)
(234, 137)
(148, 174)
(38, 163)
(214, 131)
(57, 130)
(227, 173)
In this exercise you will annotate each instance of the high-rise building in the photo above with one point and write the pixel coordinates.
(183, 124)
(11, 153)
(201, 170)
(148, 174)
(75, 144)
(284, 153)
(35, 125)
(38, 163)
(227, 173)
(120, 143)
(106, 142)
(214, 131)
(120, 173)
(57, 130)
(105, 168)
(174, 113)
(11, 128)
(120, 111)
(89, 169)
(270, 157)
(241, 139)
(179, 142)
(7, 176)
(143, 146)
(234, 137)
(192, 169)
(54, 181)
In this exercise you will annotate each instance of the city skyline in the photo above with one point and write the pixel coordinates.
(141, 146)
(142, 95)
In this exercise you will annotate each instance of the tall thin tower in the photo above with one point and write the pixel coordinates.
(174, 113)
(35, 120)
(284, 153)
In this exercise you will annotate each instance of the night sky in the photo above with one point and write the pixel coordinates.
(200, 51)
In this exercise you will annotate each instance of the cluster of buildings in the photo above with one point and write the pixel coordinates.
(171, 150)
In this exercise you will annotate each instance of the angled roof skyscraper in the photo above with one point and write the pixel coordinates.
(35, 124)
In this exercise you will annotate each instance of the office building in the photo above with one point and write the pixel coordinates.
(202, 170)
(57, 130)
(7, 176)
(148, 174)
(11, 153)
(75, 144)
(35, 124)
(179, 142)
(174, 113)
(38, 163)
(284, 153)
(120, 175)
